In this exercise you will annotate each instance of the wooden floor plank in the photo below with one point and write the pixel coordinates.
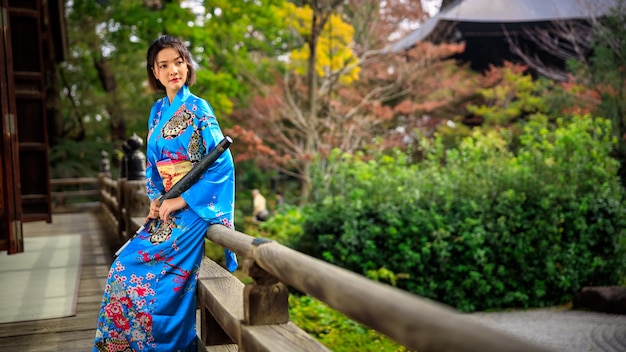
(76, 333)
(78, 341)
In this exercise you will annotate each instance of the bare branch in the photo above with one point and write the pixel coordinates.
(564, 40)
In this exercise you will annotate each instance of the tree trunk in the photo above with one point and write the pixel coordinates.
(321, 14)
(107, 78)
(309, 142)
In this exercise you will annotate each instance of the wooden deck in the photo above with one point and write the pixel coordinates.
(71, 334)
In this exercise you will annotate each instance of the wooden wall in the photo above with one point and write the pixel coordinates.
(32, 44)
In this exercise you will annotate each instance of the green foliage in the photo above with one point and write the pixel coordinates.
(607, 75)
(335, 330)
(330, 327)
(233, 44)
(116, 34)
(73, 159)
(385, 275)
(479, 227)
(218, 39)
(519, 98)
(284, 226)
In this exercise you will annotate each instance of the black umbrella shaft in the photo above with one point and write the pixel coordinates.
(197, 171)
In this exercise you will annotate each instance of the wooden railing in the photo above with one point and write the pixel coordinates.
(255, 317)
(74, 194)
(121, 200)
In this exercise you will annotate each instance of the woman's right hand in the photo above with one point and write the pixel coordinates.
(154, 210)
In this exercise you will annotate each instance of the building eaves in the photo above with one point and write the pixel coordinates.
(506, 11)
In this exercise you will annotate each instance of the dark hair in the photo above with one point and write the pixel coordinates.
(167, 41)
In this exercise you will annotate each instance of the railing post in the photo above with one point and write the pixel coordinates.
(124, 160)
(105, 164)
(266, 300)
(132, 168)
(134, 180)
(105, 172)
(119, 195)
(136, 159)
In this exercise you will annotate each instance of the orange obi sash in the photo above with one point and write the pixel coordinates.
(172, 171)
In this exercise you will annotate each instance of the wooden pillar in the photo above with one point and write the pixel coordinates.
(135, 159)
(105, 163)
(266, 300)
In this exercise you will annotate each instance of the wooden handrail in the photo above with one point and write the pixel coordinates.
(109, 199)
(80, 193)
(413, 321)
(66, 188)
(75, 181)
(255, 316)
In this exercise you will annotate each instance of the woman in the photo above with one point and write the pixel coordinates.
(149, 301)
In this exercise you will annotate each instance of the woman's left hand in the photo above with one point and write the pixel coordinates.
(170, 205)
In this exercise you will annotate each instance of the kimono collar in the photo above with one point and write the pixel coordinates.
(180, 97)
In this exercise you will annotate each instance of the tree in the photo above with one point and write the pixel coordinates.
(105, 75)
(565, 40)
(103, 84)
(560, 41)
(606, 74)
(320, 102)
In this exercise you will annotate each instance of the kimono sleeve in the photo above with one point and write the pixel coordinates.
(213, 196)
(154, 183)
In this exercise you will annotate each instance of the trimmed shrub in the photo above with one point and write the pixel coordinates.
(479, 226)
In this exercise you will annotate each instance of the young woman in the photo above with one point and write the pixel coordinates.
(149, 301)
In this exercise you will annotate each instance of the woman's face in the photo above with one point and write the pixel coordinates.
(171, 70)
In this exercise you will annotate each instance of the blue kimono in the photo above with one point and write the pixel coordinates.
(149, 301)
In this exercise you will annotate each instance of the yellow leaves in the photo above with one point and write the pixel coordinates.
(297, 18)
(298, 60)
(334, 54)
(334, 50)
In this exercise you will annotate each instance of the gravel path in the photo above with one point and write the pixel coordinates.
(563, 330)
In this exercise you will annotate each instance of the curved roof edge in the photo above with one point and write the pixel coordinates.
(507, 11)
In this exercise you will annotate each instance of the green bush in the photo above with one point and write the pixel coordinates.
(479, 226)
(284, 225)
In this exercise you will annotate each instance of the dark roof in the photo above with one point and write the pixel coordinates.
(507, 11)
